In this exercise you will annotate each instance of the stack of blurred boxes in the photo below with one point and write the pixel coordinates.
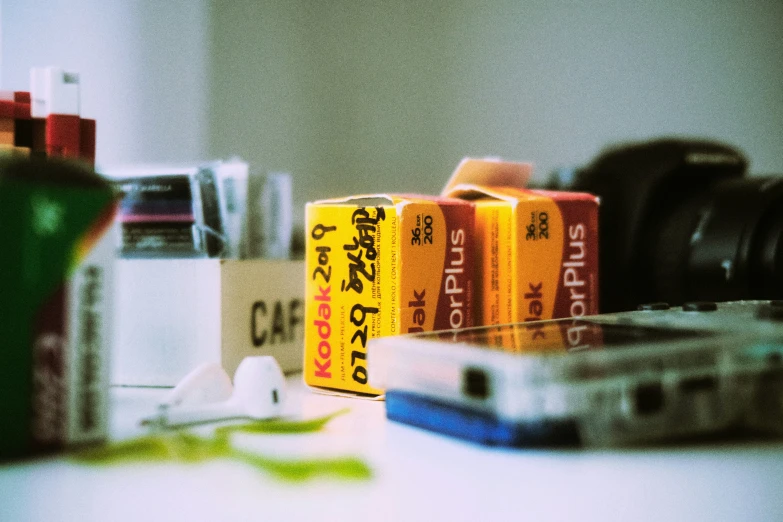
(56, 268)
(45, 122)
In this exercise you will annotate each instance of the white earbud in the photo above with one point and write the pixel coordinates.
(207, 383)
(259, 393)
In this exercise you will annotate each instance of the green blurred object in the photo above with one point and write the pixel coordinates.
(52, 215)
(281, 425)
(185, 447)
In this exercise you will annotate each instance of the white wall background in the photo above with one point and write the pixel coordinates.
(366, 96)
(362, 96)
(143, 66)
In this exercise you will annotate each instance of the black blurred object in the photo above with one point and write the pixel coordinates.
(679, 221)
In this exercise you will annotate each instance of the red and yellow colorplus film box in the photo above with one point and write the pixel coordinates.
(377, 266)
(536, 250)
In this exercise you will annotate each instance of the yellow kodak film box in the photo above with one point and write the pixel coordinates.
(537, 253)
(381, 265)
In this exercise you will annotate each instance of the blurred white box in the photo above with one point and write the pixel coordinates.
(172, 315)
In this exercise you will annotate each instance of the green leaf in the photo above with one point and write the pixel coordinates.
(150, 448)
(186, 447)
(177, 446)
(345, 468)
(281, 425)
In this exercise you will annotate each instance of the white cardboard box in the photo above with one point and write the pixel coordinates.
(172, 315)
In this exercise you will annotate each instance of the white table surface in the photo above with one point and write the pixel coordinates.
(416, 476)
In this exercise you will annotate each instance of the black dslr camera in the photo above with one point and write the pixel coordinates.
(679, 221)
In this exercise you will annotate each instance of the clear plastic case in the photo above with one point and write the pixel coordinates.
(606, 380)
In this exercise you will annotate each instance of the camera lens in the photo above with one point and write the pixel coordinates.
(680, 221)
(723, 244)
(650, 195)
